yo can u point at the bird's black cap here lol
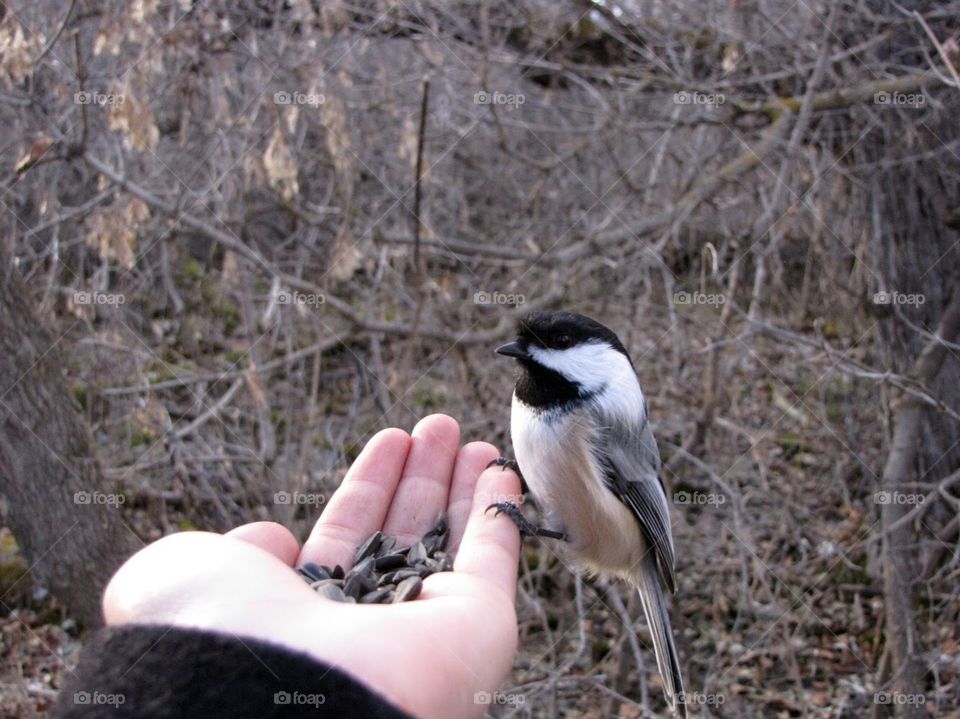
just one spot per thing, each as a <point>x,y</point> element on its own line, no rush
<point>560,330</point>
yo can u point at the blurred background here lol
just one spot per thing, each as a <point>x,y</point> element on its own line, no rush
<point>238,238</point>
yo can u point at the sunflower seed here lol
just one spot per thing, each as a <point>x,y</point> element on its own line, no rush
<point>439,565</point>
<point>356,585</point>
<point>434,542</point>
<point>390,561</point>
<point>313,572</point>
<point>408,589</point>
<point>377,596</point>
<point>385,546</point>
<point>364,568</point>
<point>327,588</point>
<point>368,548</point>
<point>382,574</point>
<point>440,526</point>
<point>417,553</point>
<point>398,576</point>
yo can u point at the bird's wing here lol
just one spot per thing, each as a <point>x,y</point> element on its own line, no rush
<point>631,463</point>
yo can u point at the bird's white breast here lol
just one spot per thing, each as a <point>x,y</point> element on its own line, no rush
<point>553,450</point>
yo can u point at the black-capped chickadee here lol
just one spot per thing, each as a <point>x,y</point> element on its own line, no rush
<point>585,450</point>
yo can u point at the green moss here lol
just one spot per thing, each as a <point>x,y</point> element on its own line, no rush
<point>143,437</point>
<point>13,567</point>
<point>229,313</point>
<point>429,399</point>
<point>600,649</point>
<point>80,394</point>
<point>792,445</point>
<point>193,269</point>
<point>278,419</point>
<point>351,451</point>
<point>533,558</point>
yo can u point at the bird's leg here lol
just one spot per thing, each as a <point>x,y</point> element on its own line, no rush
<point>513,511</point>
<point>523,524</point>
<point>505,463</point>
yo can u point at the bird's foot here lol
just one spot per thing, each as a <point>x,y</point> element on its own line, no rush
<point>523,524</point>
<point>505,463</point>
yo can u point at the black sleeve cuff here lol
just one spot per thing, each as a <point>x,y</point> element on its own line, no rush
<point>163,672</point>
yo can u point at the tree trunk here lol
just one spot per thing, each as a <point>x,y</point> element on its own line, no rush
<point>900,560</point>
<point>912,250</point>
<point>62,514</point>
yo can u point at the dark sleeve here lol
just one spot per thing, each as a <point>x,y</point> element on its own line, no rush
<point>163,672</point>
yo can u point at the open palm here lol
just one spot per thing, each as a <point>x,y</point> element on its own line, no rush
<point>431,656</point>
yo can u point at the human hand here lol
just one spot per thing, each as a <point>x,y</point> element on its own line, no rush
<point>430,656</point>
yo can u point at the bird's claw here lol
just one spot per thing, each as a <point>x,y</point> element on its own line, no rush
<point>523,524</point>
<point>505,463</point>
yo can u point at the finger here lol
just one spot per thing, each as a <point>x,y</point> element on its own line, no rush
<point>471,461</point>
<point>359,506</point>
<point>270,536</point>
<point>491,545</point>
<point>426,479</point>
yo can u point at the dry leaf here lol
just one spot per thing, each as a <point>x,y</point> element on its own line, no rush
<point>108,41</point>
<point>338,135</point>
<point>114,231</point>
<point>136,122</point>
<point>152,415</point>
<point>281,166</point>
<point>136,212</point>
<point>17,51</point>
<point>409,138</point>
<point>37,150</point>
<point>345,260</point>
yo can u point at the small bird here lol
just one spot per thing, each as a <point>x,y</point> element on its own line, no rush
<point>587,455</point>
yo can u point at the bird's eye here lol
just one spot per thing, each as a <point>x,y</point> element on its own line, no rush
<point>561,341</point>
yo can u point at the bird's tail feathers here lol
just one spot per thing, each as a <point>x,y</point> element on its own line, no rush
<point>655,609</point>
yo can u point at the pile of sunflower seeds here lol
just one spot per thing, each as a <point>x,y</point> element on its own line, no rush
<point>382,574</point>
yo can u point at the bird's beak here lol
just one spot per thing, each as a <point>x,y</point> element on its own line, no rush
<point>513,349</point>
